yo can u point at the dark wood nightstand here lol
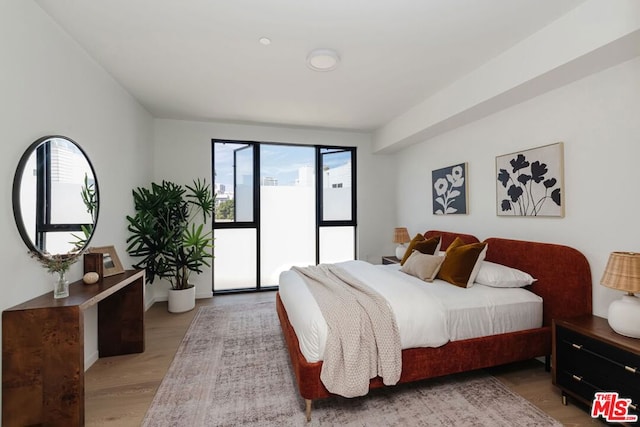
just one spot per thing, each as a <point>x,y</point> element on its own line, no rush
<point>390,259</point>
<point>588,356</point>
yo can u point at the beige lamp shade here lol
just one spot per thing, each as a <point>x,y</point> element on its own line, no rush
<point>401,235</point>
<point>622,272</point>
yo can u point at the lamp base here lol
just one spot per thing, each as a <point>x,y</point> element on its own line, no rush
<point>624,316</point>
<point>400,250</point>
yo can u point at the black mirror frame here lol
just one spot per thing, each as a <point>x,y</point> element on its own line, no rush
<point>17,183</point>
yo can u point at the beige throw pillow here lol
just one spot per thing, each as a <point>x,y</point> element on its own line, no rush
<point>423,266</point>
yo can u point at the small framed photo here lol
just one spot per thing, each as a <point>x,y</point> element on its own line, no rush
<point>110,262</point>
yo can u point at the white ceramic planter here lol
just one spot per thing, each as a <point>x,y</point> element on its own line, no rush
<point>182,300</point>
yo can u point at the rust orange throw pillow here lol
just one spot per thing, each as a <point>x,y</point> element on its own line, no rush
<point>429,246</point>
<point>422,245</point>
<point>460,262</point>
<point>419,237</point>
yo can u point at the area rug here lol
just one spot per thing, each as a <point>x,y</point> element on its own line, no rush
<point>232,369</point>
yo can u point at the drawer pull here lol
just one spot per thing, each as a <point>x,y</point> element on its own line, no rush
<point>577,378</point>
<point>630,369</point>
<point>578,346</point>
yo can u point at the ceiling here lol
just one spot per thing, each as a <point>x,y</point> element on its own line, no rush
<point>202,60</point>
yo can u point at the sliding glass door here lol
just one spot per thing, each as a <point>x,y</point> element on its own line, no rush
<point>287,209</point>
<point>275,210</point>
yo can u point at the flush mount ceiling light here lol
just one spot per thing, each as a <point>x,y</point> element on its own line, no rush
<point>323,60</point>
<point>265,41</point>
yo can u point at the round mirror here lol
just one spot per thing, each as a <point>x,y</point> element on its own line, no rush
<point>55,196</point>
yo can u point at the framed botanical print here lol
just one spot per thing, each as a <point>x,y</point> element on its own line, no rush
<point>449,190</point>
<point>530,182</point>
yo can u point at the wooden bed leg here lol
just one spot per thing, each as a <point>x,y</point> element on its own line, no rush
<point>307,410</point>
<point>547,363</point>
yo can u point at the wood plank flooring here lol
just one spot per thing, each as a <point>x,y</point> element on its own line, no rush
<point>118,390</point>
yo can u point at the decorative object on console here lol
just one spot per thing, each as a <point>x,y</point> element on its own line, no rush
<point>401,236</point>
<point>623,273</point>
<point>90,278</point>
<point>110,262</point>
<point>93,263</point>
<point>530,182</point>
<point>58,264</point>
<point>449,190</point>
<point>164,233</point>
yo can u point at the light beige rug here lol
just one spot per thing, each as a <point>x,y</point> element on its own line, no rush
<point>232,369</point>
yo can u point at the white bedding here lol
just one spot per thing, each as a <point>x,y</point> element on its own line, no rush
<point>427,314</point>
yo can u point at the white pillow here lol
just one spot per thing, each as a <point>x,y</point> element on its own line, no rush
<point>501,276</point>
<point>422,266</point>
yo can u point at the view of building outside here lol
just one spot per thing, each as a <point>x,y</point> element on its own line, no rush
<point>287,212</point>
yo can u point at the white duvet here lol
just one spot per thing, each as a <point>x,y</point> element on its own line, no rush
<point>427,314</point>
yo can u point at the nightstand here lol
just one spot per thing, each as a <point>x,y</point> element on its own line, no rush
<point>390,259</point>
<point>588,356</point>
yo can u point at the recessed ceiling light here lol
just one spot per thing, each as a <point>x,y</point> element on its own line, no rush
<point>265,41</point>
<point>323,60</point>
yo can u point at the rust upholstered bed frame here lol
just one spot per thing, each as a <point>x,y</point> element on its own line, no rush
<point>564,283</point>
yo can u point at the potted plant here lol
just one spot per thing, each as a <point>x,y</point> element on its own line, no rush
<point>168,233</point>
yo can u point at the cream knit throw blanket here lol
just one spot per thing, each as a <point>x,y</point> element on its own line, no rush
<point>362,339</point>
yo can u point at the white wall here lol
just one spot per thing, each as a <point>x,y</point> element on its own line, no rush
<point>183,152</point>
<point>597,118</point>
<point>49,85</point>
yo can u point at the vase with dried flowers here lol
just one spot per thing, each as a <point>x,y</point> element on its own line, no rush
<point>57,264</point>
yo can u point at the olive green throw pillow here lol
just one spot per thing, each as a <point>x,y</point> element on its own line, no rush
<point>461,260</point>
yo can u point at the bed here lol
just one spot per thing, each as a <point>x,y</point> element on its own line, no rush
<point>563,282</point>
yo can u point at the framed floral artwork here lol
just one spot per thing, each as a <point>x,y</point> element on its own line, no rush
<point>449,190</point>
<point>530,182</point>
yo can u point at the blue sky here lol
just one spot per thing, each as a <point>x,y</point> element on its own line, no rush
<point>277,161</point>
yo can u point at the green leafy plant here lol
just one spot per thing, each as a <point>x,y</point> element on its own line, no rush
<point>166,231</point>
<point>89,196</point>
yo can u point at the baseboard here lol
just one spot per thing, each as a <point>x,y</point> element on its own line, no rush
<point>90,360</point>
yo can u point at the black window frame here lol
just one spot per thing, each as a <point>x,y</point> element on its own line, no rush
<point>256,224</point>
<point>43,223</point>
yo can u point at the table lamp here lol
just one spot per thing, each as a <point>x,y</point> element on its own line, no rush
<point>401,236</point>
<point>623,273</point>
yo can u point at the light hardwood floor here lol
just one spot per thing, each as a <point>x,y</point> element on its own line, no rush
<point>118,390</point>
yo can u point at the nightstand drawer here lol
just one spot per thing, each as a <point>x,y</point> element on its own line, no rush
<point>588,358</point>
<point>599,366</point>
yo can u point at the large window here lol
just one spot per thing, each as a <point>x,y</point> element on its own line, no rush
<point>280,205</point>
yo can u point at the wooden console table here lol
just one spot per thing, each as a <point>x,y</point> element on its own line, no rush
<point>43,347</point>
